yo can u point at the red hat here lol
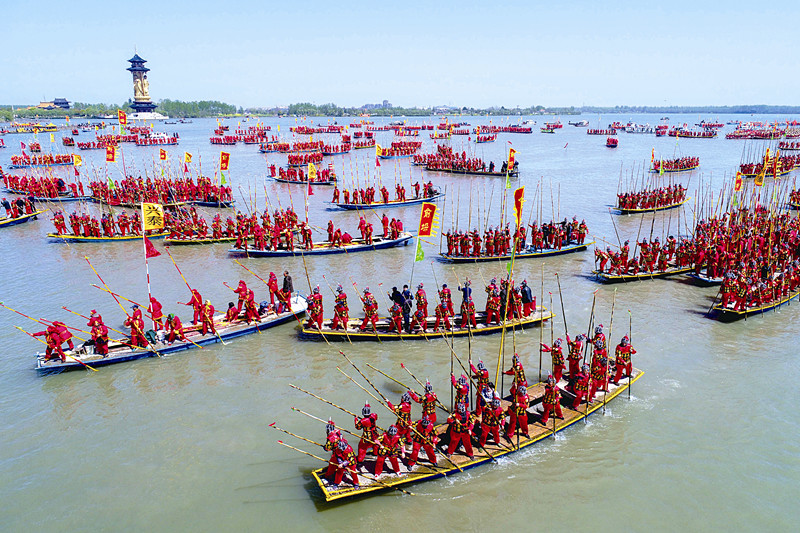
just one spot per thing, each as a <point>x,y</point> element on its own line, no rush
<point>94,312</point>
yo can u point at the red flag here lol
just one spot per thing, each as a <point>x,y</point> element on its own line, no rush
<point>111,154</point>
<point>185,168</point>
<point>224,160</point>
<point>310,191</point>
<point>22,146</point>
<point>150,250</point>
<point>377,161</point>
<point>76,171</point>
<point>122,117</point>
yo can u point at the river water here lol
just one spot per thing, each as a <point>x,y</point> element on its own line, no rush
<point>707,442</point>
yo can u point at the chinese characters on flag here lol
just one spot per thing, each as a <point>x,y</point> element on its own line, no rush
<point>152,216</point>
<point>111,154</point>
<point>122,117</point>
<point>224,160</point>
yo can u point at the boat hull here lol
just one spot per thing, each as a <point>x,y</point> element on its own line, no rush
<point>325,249</point>
<point>55,366</point>
<point>528,253</point>
<point>728,314</point>
<point>605,277</point>
<point>650,209</point>
<point>8,222</point>
<point>55,237</point>
<point>381,205</point>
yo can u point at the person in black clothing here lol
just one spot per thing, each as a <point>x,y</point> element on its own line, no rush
<point>408,302</point>
<point>288,287</point>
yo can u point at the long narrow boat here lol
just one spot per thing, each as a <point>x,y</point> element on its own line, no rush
<point>69,237</point>
<point>729,314</point>
<point>382,332</point>
<point>607,277</point>
<point>527,253</point>
<point>675,170</point>
<point>513,173</point>
<point>226,204</point>
<point>196,240</point>
<point>324,248</point>
<point>120,353</point>
<point>391,203</point>
<point>6,222</point>
<point>425,471</point>
<point>305,181</point>
<point>703,280</point>
<point>60,198</point>
<point>630,211</point>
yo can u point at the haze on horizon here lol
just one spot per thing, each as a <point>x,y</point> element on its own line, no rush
<point>414,53</point>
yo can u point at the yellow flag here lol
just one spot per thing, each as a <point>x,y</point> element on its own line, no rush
<point>187,157</point>
<point>152,216</point>
<point>378,150</point>
<point>279,128</point>
<point>52,138</point>
<point>312,172</point>
<point>77,160</point>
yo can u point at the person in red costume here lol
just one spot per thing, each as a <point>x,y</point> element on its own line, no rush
<point>196,303</point>
<point>518,372</point>
<point>428,401</point>
<point>100,338</point>
<point>599,378</point>
<point>315,310</point>
<point>551,401</point>
<point>491,418</point>
<point>403,412</point>
<point>558,358</point>
<point>370,310</point>
<point>462,390</point>
<point>575,354</point>
<point>461,424</point>
<point>231,315</point>
<point>175,328</point>
<point>64,334</point>
<point>622,361</point>
<point>518,413</point>
<point>272,284</point>
<point>342,460</point>
<point>154,310</point>
<point>580,385</point>
<point>442,316</point>
<point>53,342</point>
<point>389,447</point>
<point>208,318</point>
<point>424,437</point>
<point>136,323</point>
<point>241,290</point>
<point>367,423</point>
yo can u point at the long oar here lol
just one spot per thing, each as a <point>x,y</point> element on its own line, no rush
<point>385,399</point>
<point>360,473</point>
<point>113,295</point>
<point>341,428</point>
<point>213,328</point>
<point>70,356</point>
<point>334,309</point>
<point>445,409</point>
<point>389,377</point>
<point>324,400</point>
<point>390,409</point>
<point>131,301</point>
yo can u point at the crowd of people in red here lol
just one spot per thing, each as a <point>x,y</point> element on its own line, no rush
<point>367,196</point>
<point>674,165</point>
<point>298,174</point>
<point>498,242</point>
<point>301,160</point>
<point>132,190</point>
<point>652,198</point>
<point>26,160</point>
<point>40,187</point>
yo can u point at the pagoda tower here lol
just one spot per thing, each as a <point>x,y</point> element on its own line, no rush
<point>141,87</point>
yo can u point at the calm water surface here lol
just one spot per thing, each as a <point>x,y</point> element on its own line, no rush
<point>708,441</point>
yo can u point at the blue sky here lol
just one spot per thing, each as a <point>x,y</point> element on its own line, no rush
<point>253,53</point>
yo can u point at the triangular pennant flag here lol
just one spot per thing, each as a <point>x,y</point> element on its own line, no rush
<point>150,250</point>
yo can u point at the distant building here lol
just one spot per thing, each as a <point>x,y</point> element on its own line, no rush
<point>384,105</point>
<point>57,103</point>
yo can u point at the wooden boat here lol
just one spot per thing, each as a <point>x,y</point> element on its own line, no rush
<point>546,129</point>
<point>324,248</point>
<point>673,170</point>
<point>702,280</point>
<point>608,277</point>
<point>527,253</point>
<point>66,197</point>
<point>728,314</point>
<point>120,353</point>
<point>227,204</point>
<point>6,222</point>
<point>69,164</point>
<point>305,181</point>
<point>195,240</point>
<point>382,332</point>
<point>513,173</point>
<point>69,237</point>
<point>391,203</point>
<point>651,209</point>
<point>424,471</point>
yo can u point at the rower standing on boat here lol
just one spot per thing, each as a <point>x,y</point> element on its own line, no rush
<point>528,299</point>
<point>136,323</point>
<point>196,303</point>
<point>99,334</point>
<point>285,294</point>
<point>491,418</point>
<point>557,354</point>
<point>599,380</point>
<point>518,413</point>
<point>53,342</point>
<point>389,446</point>
<point>518,372</point>
<point>272,284</point>
<point>462,390</point>
<point>575,354</point>
<point>343,459</point>
<point>403,412</point>
<point>340,310</point>
<point>428,401</point>
<point>622,359</point>
<point>424,437</point>
<point>461,424</point>
<point>580,385</point>
<point>422,300</point>
<point>447,298</point>
<point>551,401</point>
<point>315,310</point>
<point>241,290</point>
<point>367,423</point>
<point>370,310</point>
<point>208,319</point>
<point>154,310</point>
